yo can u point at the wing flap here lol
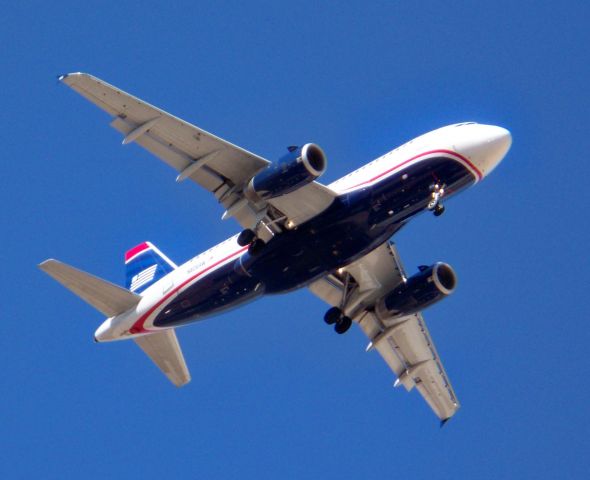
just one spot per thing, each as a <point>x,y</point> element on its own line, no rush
<point>410,342</point>
<point>164,350</point>
<point>164,141</point>
<point>173,140</point>
<point>372,327</point>
<point>305,202</point>
<point>439,396</point>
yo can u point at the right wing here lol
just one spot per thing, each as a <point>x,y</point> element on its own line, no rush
<point>164,350</point>
<point>409,351</point>
<point>213,163</point>
<point>404,343</point>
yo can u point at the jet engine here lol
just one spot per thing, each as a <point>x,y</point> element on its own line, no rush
<point>418,292</point>
<point>299,167</point>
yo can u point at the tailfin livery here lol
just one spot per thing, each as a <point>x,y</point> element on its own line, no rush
<point>110,299</point>
<point>145,264</point>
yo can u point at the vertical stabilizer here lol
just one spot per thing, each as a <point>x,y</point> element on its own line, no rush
<point>145,264</point>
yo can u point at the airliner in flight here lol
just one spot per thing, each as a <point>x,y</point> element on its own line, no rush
<point>334,240</point>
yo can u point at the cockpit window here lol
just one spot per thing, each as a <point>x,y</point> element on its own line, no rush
<point>464,123</point>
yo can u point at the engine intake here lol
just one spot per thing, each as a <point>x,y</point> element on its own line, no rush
<point>418,292</point>
<point>299,167</point>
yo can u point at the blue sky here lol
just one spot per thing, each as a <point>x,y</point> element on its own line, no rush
<point>275,393</point>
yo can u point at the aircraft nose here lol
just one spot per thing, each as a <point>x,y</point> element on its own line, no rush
<point>499,142</point>
<point>486,147</point>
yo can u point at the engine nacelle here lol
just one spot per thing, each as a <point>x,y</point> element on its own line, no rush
<point>418,292</point>
<point>296,169</point>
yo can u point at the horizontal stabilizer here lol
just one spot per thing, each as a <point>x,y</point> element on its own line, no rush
<point>106,297</point>
<point>164,350</point>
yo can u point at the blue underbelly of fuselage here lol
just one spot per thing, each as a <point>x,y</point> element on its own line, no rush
<point>356,223</point>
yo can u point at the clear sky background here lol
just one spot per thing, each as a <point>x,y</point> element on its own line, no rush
<point>275,393</point>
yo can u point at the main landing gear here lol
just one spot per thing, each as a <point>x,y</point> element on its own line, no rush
<point>248,237</point>
<point>336,317</point>
<point>435,205</point>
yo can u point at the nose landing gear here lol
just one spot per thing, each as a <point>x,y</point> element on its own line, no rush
<point>435,205</point>
<point>439,209</point>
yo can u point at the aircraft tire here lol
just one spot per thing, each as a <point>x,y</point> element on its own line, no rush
<point>343,325</point>
<point>256,247</point>
<point>246,237</point>
<point>332,315</point>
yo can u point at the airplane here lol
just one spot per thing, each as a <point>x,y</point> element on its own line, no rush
<point>334,239</point>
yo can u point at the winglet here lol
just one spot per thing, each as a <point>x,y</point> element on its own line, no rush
<point>64,76</point>
<point>70,78</point>
<point>444,421</point>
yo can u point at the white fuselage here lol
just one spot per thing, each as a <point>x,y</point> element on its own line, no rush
<point>479,148</point>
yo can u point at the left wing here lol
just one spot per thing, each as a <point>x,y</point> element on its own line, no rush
<point>213,163</point>
<point>405,344</point>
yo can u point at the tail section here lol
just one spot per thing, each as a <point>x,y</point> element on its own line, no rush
<point>106,297</point>
<point>164,350</point>
<point>145,264</point>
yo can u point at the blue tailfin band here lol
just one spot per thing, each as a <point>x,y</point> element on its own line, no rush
<point>145,265</point>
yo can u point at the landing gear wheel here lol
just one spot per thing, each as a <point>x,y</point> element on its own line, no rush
<point>343,325</point>
<point>435,205</point>
<point>439,209</point>
<point>246,237</point>
<point>332,316</point>
<point>256,247</point>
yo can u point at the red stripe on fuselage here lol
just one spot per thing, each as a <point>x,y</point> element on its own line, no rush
<point>136,251</point>
<point>431,152</point>
<point>138,325</point>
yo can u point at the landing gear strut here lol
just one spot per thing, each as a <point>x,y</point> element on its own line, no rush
<point>336,317</point>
